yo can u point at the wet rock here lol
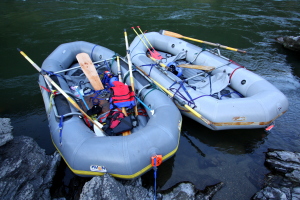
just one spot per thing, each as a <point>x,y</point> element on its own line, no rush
<point>107,187</point>
<point>187,190</point>
<point>290,42</point>
<point>5,131</point>
<point>284,180</point>
<point>26,172</point>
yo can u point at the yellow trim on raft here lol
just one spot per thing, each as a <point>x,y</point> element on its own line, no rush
<point>90,173</point>
<point>239,123</point>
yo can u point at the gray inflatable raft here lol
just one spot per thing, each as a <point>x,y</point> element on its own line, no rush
<point>228,97</point>
<point>85,153</point>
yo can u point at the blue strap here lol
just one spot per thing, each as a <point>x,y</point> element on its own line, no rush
<point>96,99</point>
<point>155,173</point>
<point>209,76</point>
<point>51,73</point>
<point>181,85</point>
<point>92,52</point>
<point>151,65</point>
<point>60,126</point>
<point>107,66</point>
<point>185,90</point>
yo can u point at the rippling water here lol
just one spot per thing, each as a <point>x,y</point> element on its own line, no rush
<point>204,157</point>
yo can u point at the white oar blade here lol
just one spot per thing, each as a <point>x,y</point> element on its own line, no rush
<point>97,130</point>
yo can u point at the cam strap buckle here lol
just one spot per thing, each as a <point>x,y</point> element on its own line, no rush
<point>156,160</point>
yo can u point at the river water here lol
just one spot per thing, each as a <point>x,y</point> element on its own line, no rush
<point>204,157</point>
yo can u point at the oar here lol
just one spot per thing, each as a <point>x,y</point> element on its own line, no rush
<point>130,69</point>
<point>97,124</point>
<point>155,54</point>
<point>90,71</point>
<point>152,111</point>
<point>201,67</point>
<point>121,80</point>
<point>119,70</point>
<point>159,57</point>
<point>176,35</point>
<point>172,95</point>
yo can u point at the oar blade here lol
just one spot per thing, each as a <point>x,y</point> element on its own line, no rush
<point>97,129</point>
<point>201,67</point>
<point>171,34</point>
<point>155,54</point>
<point>89,70</point>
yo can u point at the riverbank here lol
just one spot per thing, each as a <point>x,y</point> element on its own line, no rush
<point>27,173</point>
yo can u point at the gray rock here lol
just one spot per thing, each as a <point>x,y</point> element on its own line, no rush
<point>26,171</point>
<point>102,187</point>
<point>290,42</point>
<point>284,180</point>
<point>107,187</point>
<point>5,131</point>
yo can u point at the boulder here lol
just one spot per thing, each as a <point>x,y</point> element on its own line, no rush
<point>5,131</point>
<point>26,172</point>
<point>107,187</point>
<point>290,42</point>
<point>284,180</point>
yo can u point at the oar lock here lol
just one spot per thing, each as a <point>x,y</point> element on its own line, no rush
<point>174,69</point>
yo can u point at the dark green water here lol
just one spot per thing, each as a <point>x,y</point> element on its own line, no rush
<point>204,157</point>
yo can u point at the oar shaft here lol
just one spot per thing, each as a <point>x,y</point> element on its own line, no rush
<point>176,35</point>
<point>119,70</point>
<point>130,68</point>
<point>58,88</point>
<point>214,44</point>
<point>145,37</point>
<point>157,62</point>
<point>185,105</point>
<point>140,38</point>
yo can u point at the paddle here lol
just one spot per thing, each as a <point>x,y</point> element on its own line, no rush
<point>176,35</point>
<point>89,70</point>
<point>154,53</point>
<point>201,67</point>
<point>98,129</point>
<point>157,55</point>
<point>121,80</point>
<point>130,69</point>
<point>119,70</point>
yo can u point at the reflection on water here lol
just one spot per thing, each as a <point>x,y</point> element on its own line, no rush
<point>204,157</point>
<point>228,141</point>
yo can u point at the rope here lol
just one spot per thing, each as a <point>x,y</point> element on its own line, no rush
<point>234,71</point>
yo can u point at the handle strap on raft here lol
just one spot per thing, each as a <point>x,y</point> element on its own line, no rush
<point>155,162</point>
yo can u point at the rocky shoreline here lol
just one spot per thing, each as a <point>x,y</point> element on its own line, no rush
<point>290,42</point>
<point>26,172</point>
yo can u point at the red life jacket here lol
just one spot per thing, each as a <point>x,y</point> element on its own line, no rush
<point>122,95</point>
